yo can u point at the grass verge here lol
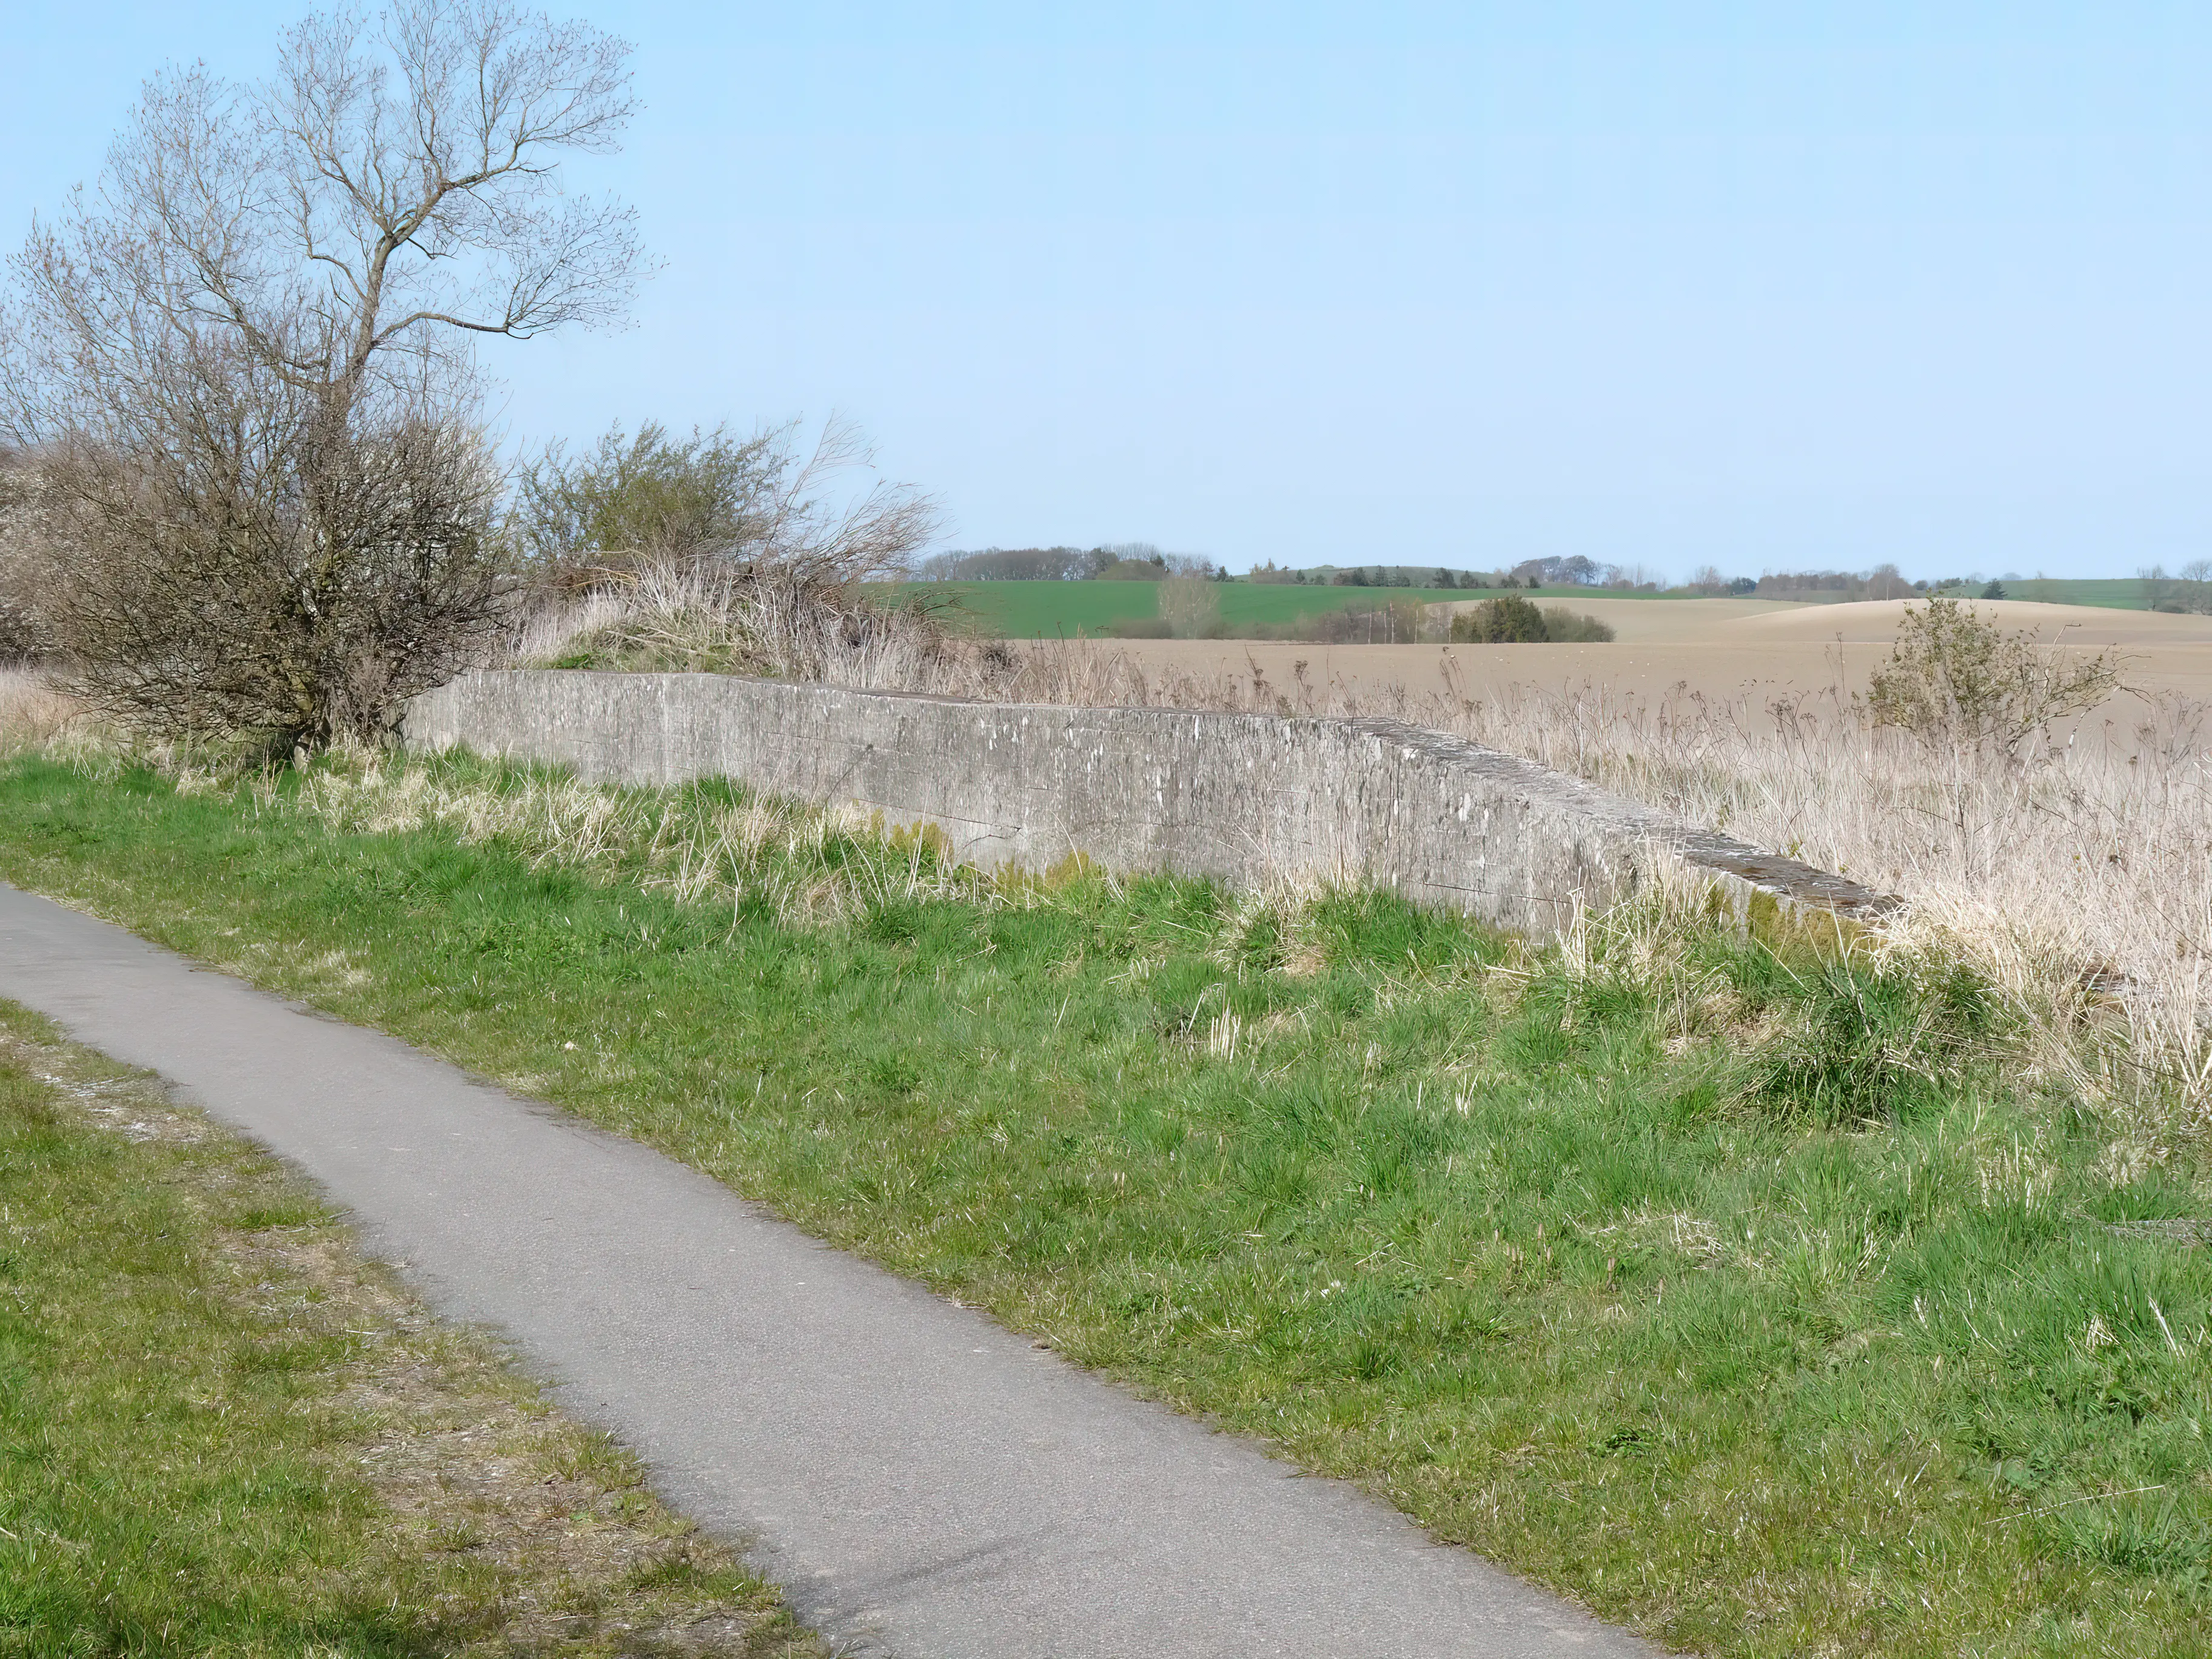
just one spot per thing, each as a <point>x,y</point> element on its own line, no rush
<point>1762,1304</point>
<point>222,1432</point>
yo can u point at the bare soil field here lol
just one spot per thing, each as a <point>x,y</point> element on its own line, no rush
<point>1721,648</point>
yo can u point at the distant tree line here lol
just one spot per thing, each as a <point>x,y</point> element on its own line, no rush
<point>1143,562</point>
<point>1882,582</point>
<point>1575,571</point>
<point>2188,591</point>
<point>1115,561</point>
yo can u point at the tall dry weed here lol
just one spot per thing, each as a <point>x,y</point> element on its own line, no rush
<point>33,712</point>
<point>704,618</point>
<point>701,844</point>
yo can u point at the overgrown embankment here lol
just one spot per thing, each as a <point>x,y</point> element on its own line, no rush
<point>1775,1306</point>
<point>2043,822</point>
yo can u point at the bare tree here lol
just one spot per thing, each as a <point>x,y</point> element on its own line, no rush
<point>24,636</point>
<point>1884,581</point>
<point>245,362</point>
<point>1191,607</point>
<point>2190,591</point>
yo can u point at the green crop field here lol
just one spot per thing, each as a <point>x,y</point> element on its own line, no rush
<point>2111,593</point>
<point>1044,611</point>
<point>1050,610</point>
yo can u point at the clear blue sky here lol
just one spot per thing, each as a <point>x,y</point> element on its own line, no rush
<point>1767,285</point>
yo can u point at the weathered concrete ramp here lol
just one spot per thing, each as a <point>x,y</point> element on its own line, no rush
<point>922,1482</point>
<point>1244,798</point>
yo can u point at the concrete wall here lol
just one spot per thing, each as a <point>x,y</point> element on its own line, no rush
<point>1244,798</point>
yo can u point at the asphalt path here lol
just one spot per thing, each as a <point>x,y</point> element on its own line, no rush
<point>922,1482</point>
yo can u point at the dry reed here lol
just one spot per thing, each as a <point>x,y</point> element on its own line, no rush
<point>712,619</point>
<point>33,713</point>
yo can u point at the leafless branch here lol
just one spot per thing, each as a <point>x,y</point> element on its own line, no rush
<point>242,365</point>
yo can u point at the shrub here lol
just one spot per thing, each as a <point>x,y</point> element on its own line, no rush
<point>1565,627</point>
<point>1510,619</point>
<point>718,555</point>
<point>24,634</point>
<point>272,578</point>
<point>712,618</point>
<point>23,639</point>
<point>765,508</point>
<point>1955,679</point>
<point>651,498</point>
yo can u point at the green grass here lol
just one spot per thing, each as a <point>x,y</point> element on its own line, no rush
<point>221,1434</point>
<point>1745,1299</point>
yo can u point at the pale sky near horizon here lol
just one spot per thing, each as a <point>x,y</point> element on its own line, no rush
<point>1765,286</point>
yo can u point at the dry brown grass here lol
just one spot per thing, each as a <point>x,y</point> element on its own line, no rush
<point>2077,878</point>
<point>808,866</point>
<point>667,619</point>
<point>33,712</point>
